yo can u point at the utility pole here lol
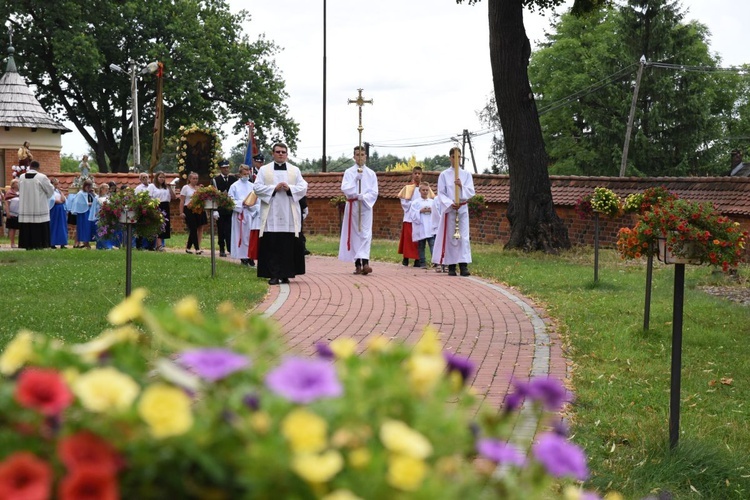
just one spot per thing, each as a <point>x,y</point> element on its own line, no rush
<point>631,117</point>
<point>467,139</point>
<point>323,164</point>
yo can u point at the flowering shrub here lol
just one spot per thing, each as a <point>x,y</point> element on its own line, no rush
<point>175,403</point>
<point>605,201</point>
<point>149,219</point>
<point>476,205</point>
<point>632,203</point>
<point>583,207</point>
<point>655,196</point>
<point>692,230</point>
<point>182,148</point>
<point>198,201</point>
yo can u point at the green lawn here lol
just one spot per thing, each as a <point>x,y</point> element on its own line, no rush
<point>620,373</point>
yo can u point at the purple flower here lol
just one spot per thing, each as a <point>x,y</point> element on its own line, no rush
<point>500,452</point>
<point>548,391</point>
<point>515,399</point>
<point>213,364</point>
<point>304,380</point>
<point>559,457</point>
<point>464,366</point>
<point>252,401</point>
<point>324,350</point>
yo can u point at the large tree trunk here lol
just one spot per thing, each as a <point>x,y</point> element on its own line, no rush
<point>534,225</point>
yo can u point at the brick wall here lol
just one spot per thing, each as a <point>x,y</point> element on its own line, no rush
<point>49,160</point>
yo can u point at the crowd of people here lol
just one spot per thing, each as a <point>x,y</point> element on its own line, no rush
<point>266,224</point>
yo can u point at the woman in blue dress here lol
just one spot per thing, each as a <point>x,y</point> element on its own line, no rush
<point>58,218</point>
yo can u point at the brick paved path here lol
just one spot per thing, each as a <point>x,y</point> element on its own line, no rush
<point>496,327</point>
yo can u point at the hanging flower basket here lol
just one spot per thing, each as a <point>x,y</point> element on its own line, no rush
<point>127,216</point>
<point>678,252</point>
<point>127,207</point>
<point>210,198</point>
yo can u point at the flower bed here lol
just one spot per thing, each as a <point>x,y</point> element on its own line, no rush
<point>175,403</point>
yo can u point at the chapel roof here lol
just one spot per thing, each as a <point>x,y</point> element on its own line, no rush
<point>18,104</point>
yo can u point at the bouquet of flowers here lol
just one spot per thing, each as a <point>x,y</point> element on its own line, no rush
<point>175,403</point>
<point>149,220</point>
<point>605,201</point>
<point>18,170</point>
<point>198,201</point>
<point>692,230</point>
<point>476,205</point>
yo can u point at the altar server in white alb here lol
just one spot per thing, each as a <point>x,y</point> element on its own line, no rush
<point>455,187</point>
<point>422,227</point>
<point>242,216</point>
<point>360,186</point>
<point>280,186</point>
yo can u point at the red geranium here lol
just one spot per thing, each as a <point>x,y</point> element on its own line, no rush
<point>23,475</point>
<point>86,449</point>
<point>43,390</point>
<point>89,483</point>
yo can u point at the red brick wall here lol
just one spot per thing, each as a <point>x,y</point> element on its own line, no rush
<point>49,160</point>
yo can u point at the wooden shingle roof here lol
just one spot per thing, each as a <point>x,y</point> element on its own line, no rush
<point>18,105</point>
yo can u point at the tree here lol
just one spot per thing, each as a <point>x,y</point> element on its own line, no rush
<point>534,225</point>
<point>584,81</point>
<point>213,73</point>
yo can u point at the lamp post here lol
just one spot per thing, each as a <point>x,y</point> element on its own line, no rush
<point>133,72</point>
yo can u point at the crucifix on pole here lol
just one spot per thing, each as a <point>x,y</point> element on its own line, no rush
<point>360,102</point>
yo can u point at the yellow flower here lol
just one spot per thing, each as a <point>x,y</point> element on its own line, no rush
<point>359,458</point>
<point>341,495</point>
<point>305,431</point>
<point>429,343</point>
<point>188,309</point>
<point>166,410</point>
<point>260,422</point>
<point>424,372</point>
<point>406,473</point>
<point>343,347</point>
<point>378,344</point>
<point>17,353</point>
<point>399,438</point>
<point>129,309</point>
<point>91,350</point>
<point>318,468</point>
<point>104,390</point>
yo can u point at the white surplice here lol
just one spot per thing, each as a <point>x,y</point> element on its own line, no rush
<point>449,250</point>
<point>242,218</point>
<point>421,222</point>
<point>280,212</point>
<point>356,239</point>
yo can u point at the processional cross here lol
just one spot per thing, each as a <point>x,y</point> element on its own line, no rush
<point>360,102</point>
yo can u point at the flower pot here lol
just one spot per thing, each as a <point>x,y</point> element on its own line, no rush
<point>687,250</point>
<point>210,205</point>
<point>127,217</point>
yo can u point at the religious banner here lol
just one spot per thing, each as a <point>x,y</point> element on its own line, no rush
<point>199,151</point>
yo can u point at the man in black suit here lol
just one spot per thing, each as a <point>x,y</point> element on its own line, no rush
<point>224,223</point>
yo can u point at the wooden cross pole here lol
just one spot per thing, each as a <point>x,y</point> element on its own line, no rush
<point>360,102</point>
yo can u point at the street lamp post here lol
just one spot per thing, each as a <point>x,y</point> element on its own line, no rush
<point>150,68</point>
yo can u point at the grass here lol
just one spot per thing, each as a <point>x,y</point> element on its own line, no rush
<point>620,373</point>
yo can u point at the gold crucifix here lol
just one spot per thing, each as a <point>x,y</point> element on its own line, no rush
<point>360,102</point>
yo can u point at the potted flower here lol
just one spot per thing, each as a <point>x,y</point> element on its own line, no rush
<point>210,198</point>
<point>338,202</point>
<point>162,406</point>
<point>476,205</point>
<point>605,201</point>
<point>125,206</point>
<point>689,231</point>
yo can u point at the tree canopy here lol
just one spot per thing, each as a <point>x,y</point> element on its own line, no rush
<point>584,75</point>
<point>214,74</point>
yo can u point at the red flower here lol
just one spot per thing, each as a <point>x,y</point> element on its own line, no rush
<point>89,483</point>
<point>86,449</point>
<point>43,390</point>
<point>24,476</point>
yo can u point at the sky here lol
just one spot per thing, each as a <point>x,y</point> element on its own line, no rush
<point>424,63</point>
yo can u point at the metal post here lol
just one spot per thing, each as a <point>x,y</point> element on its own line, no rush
<point>674,391</point>
<point>136,138</point>
<point>213,246</point>
<point>324,159</point>
<point>649,279</point>
<point>128,257</point>
<point>596,247</point>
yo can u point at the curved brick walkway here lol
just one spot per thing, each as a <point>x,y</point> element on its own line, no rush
<point>497,328</point>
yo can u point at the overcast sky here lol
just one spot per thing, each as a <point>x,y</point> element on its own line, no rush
<point>425,64</point>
